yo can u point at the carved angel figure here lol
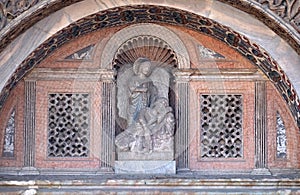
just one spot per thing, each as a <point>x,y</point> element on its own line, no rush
<point>142,100</point>
<point>142,91</point>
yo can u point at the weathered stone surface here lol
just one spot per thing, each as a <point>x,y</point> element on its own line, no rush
<point>169,155</point>
<point>143,102</point>
<point>152,185</point>
<point>145,167</point>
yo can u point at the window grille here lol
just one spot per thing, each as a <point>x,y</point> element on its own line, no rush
<point>221,126</point>
<point>68,125</point>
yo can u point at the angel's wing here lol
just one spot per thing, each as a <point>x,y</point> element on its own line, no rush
<point>123,76</point>
<point>161,79</point>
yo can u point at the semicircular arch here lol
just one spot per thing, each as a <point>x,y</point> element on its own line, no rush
<point>145,30</point>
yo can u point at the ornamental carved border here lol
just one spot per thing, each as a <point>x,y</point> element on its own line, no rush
<point>288,10</point>
<point>11,9</point>
<point>162,15</point>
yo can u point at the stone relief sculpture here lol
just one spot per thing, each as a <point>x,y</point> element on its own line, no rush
<point>289,10</point>
<point>82,54</point>
<point>10,9</point>
<point>142,100</point>
<point>142,91</point>
<point>9,137</point>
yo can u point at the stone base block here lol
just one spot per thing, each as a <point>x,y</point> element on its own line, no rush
<point>261,171</point>
<point>154,156</point>
<point>145,167</point>
<point>29,171</point>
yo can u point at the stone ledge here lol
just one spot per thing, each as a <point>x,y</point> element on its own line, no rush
<point>170,186</point>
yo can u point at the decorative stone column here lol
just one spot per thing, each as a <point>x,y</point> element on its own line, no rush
<point>108,122</point>
<point>182,116</point>
<point>29,129</point>
<point>260,129</point>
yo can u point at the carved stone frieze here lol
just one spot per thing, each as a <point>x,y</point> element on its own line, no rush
<point>289,10</point>
<point>10,9</point>
<point>286,9</point>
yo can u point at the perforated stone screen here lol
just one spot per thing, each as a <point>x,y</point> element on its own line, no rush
<point>68,127</point>
<point>221,126</point>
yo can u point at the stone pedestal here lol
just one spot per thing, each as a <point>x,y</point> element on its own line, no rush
<point>145,167</point>
<point>154,156</point>
<point>149,163</point>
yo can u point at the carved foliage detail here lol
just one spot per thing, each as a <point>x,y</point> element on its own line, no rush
<point>289,10</point>
<point>10,9</point>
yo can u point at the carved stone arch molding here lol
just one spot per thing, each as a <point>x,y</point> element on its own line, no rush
<point>281,16</point>
<point>158,33</point>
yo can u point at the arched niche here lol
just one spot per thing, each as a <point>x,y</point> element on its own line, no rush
<point>152,30</point>
<point>163,58</point>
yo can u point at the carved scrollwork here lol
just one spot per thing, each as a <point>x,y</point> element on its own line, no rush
<point>289,10</point>
<point>10,9</point>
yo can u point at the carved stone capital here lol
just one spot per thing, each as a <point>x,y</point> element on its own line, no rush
<point>108,75</point>
<point>183,75</point>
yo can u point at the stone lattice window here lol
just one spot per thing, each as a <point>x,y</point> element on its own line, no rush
<point>68,125</point>
<point>221,126</point>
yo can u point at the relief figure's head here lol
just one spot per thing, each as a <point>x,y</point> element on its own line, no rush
<point>142,67</point>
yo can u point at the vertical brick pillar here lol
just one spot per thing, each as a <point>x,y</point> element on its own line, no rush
<point>108,123</point>
<point>260,129</point>
<point>29,129</point>
<point>182,125</point>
